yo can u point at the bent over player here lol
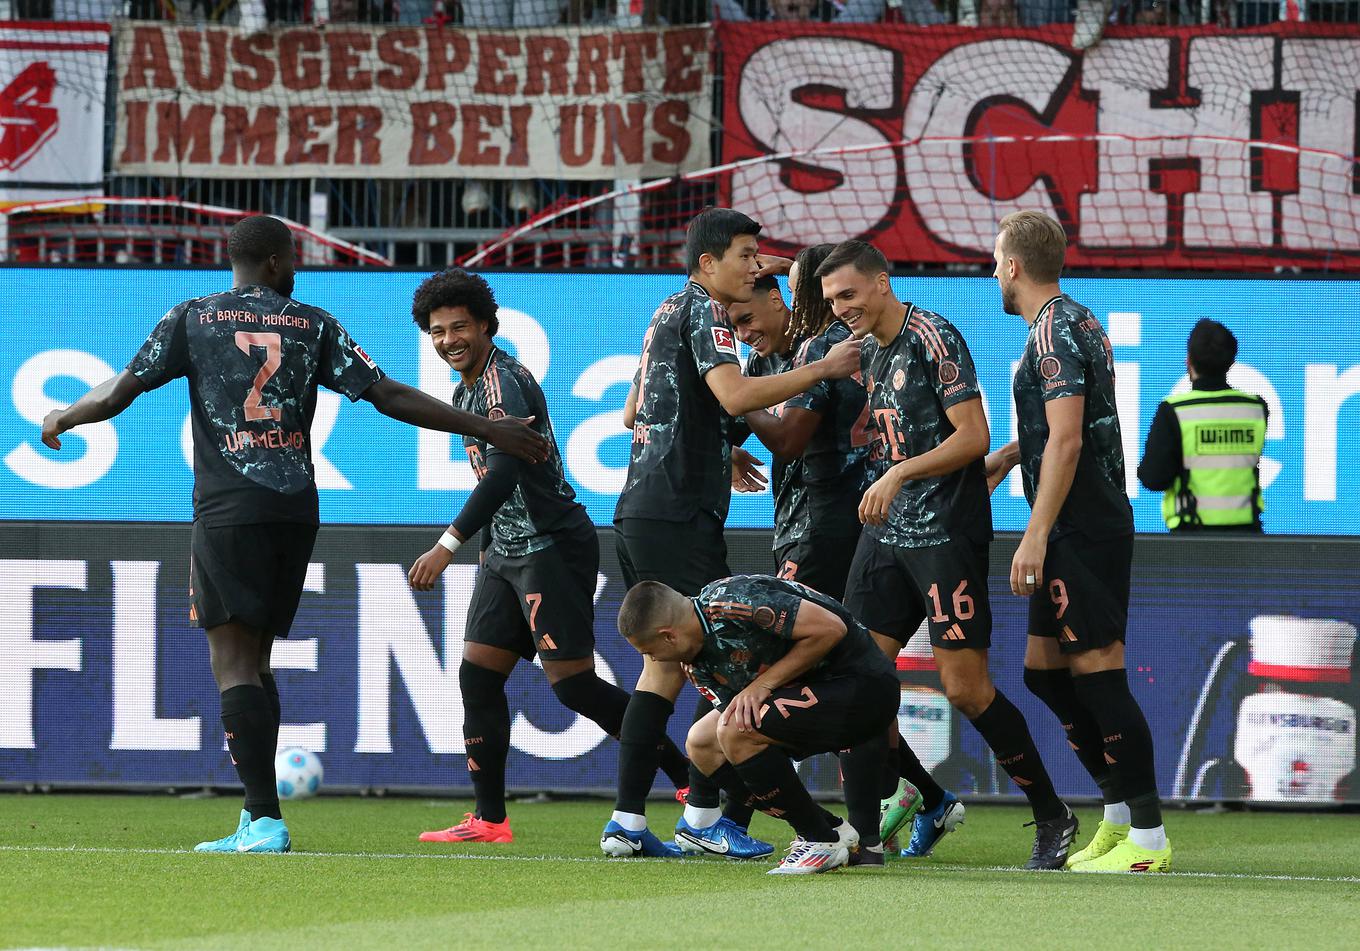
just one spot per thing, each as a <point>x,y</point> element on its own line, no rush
<point>536,589</point>
<point>254,358</point>
<point>789,673</point>
<point>669,519</point>
<point>928,523</point>
<point>1075,559</point>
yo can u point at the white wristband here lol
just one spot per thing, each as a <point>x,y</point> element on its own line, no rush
<point>450,541</point>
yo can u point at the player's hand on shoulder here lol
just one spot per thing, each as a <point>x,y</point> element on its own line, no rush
<point>841,361</point>
<point>878,498</point>
<point>52,429</point>
<point>744,710</point>
<point>746,474</point>
<point>428,567</point>
<point>772,264</point>
<point>514,435</point>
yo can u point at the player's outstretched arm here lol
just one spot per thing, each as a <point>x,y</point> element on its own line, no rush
<point>746,474</point>
<point>966,444</point>
<point>740,394</point>
<point>1000,463</point>
<point>786,435</point>
<point>105,401</point>
<point>815,632</point>
<point>493,489</point>
<point>772,264</point>
<point>410,405</point>
<point>1065,417</point>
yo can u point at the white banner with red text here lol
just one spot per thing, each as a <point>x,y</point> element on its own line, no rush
<point>1160,147</point>
<point>411,102</point>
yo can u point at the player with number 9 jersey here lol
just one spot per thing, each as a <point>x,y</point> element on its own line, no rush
<point>924,552</point>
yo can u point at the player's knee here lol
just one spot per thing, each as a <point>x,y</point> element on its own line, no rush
<point>582,692</point>
<point>663,678</point>
<point>736,745</point>
<point>480,685</point>
<point>1044,684</point>
<point>969,697</point>
<point>234,655</point>
<point>702,738</point>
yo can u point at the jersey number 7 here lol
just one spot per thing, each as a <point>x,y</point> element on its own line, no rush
<point>272,345</point>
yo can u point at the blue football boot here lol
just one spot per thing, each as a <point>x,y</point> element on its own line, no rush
<point>928,828</point>
<point>724,837</point>
<point>262,835</point>
<point>618,842</point>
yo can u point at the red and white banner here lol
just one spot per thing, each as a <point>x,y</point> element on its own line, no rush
<point>357,102</point>
<point>52,78</point>
<point>1172,148</point>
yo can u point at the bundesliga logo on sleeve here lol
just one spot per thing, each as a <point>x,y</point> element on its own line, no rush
<point>724,340</point>
<point>365,357</point>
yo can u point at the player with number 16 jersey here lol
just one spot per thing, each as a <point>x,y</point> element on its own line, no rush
<point>924,552</point>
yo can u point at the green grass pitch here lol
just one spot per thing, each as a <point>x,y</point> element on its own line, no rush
<point>84,871</point>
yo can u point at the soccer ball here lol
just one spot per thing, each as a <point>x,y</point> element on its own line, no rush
<point>299,773</point>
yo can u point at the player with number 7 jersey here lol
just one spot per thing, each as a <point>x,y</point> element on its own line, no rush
<point>254,358</point>
<point>535,592</point>
<point>924,552</point>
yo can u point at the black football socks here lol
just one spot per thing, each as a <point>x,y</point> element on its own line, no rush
<point>778,792</point>
<point>486,736</point>
<point>1059,694</point>
<point>1005,730</point>
<point>1127,742</point>
<point>251,729</point>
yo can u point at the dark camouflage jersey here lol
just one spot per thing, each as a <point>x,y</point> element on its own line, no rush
<point>543,502</point>
<point>911,382</point>
<point>681,458</point>
<point>254,359</point>
<point>792,517</point>
<point>748,625</point>
<point>1068,354</point>
<point>836,467</point>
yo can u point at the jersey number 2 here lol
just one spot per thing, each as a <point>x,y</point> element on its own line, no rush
<point>271,343</point>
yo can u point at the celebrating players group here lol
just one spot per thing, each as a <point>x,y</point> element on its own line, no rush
<point>882,477</point>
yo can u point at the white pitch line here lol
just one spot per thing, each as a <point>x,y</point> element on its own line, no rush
<point>445,856</point>
<point>1341,879</point>
<point>622,863</point>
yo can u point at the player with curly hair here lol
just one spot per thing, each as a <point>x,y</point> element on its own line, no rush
<point>536,590</point>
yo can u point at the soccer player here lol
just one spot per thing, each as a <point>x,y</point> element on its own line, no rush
<point>669,519</point>
<point>790,673</point>
<point>536,589</point>
<point>254,358</point>
<point>923,554</point>
<point>1076,555</point>
<point>820,438</point>
<point>762,323</point>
